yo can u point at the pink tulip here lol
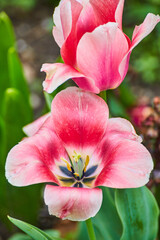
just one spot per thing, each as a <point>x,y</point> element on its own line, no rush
<point>76,150</point>
<point>33,128</point>
<point>142,115</point>
<point>93,46</point>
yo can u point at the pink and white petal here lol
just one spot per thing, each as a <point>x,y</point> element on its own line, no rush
<point>63,17</point>
<point>68,49</point>
<point>35,159</point>
<point>144,29</point>
<point>126,164</point>
<point>121,128</point>
<point>123,68</point>
<point>105,10</point>
<point>66,17</point>
<point>76,204</point>
<point>56,74</point>
<point>87,84</point>
<point>119,13</point>
<point>58,20</point>
<point>104,54</point>
<point>139,33</point>
<point>86,21</point>
<point>117,128</point>
<point>80,119</point>
<point>33,127</point>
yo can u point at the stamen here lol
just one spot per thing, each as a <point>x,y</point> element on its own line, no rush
<point>67,163</point>
<point>86,163</point>
<point>76,174</point>
<point>76,157</point>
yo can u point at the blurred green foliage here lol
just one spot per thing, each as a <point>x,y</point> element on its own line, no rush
<point>25,4</point>
<point>15,112</point>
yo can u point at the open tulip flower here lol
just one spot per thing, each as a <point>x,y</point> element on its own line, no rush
<point>76,149</point>
<point>93,46</point>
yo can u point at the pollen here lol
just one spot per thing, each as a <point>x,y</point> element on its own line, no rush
<point>86,163</point>
<point>76,174</point>
<point>67,163</point>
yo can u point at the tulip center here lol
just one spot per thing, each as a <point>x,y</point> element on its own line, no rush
<point>79,166</point>
<point>77,172</point>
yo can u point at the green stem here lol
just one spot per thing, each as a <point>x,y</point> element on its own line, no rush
<point>90,229</point>
<point>103,95</point>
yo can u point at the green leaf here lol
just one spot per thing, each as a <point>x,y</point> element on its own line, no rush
<point>82,232</point>
<point>2,142</point>
<point>48,98</point>
<point>32,231</point>
<point>117,109</point>
<point>7,41</point>
<point>3,189</point>
<point>3,208</point>
<point>107,222</point>
<point>52,233</point>
<point>59,59</point>
<point>22,236</point>
<point>157,196</point>
<point>126,96</point>
<point>17,79</point>
<point>139,213</point>
<point>15,116</point>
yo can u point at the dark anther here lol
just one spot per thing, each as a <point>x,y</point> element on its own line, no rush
<point>66,171</point>
<point>67,180</point>
<point>90,171</point>
<point>88,180</point>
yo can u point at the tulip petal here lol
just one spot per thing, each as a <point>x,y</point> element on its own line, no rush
<point>65,17</point>
<point>76,204</point>
<point>86,21</point>
<point>119,13</point>
<point>34,159</point>
<point>144,29</point>
<point>105,10</point>
<point>103,56</point>
<point>139,33</point>
<point>62,18</point>
<point>70,15</point>
<point>58,73</point>
<point>120,127</point>
<point>80,119</point>
<point>125,162</point>
<point>128,166</point>
<point>33,127</point>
